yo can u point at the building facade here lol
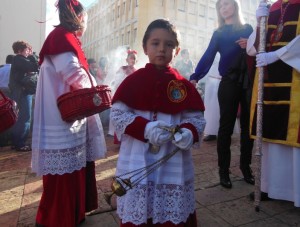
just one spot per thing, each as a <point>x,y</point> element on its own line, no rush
<point>20,20</point>
<point>122,23</point>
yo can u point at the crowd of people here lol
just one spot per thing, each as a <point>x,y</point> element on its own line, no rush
<point>163,121</point>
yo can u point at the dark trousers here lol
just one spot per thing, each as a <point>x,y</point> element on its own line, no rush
<point>21,130</point>
<point>230,95</point>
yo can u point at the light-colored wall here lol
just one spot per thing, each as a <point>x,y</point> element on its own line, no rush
<point>195,19</point>
<point>18,21</point>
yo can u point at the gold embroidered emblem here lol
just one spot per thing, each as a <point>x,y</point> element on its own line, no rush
<point>176,91</point>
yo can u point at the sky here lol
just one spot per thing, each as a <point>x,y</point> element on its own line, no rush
<point>52,14</point>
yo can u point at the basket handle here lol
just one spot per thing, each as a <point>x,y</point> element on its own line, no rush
<point>89,75</point>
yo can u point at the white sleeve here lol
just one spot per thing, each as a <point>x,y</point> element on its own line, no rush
<point>251,50</point>
<point>68,66</point>
<point>121,116</point>
<point>290,54</point>
<point>195,118</point>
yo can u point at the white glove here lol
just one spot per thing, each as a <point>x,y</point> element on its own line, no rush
<point>264,59</point>
<point>155,134</point>
<point>262,11</point>
<point>183,139</point>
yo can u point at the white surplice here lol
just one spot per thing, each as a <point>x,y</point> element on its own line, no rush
<point>59,147</point>
<point>167,194</point>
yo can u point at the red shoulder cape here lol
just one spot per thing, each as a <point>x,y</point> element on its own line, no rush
<point>165,91</point>
<point>61,40</point>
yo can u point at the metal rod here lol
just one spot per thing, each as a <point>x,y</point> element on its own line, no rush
<point>259,121</point>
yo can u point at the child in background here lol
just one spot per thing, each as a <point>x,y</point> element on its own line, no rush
<point>131,61</point>
<point>122,73</point>
<point>102,70</point>
<point>65,153</point>
<point>148,102</point>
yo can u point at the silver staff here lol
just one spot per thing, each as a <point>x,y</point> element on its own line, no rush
<point>259,121</point>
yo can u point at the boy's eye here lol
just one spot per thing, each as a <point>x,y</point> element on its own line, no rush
<point>171,45</point>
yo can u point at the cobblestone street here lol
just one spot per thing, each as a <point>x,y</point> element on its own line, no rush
<point>20,191</point>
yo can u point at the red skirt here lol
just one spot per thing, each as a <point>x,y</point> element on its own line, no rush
<point>67,197</point>
<point>190,222</point>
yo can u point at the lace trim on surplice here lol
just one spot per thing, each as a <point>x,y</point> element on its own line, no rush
<point>121,119</point>
<point>60,161</point>
<point>162,203</point>
<point>199,122</point>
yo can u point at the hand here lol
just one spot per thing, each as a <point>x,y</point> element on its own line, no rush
<point>262,11</point>
<point>183,139</point>
<point>155,134</point>
<point>242,42</point>
<point>264,59</point>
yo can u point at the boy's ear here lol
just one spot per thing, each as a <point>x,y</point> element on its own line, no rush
<point>177,51</point>
<point>145,50</point>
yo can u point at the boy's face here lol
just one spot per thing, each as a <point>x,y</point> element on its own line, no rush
<point>161,48</point>
<point>25,52</point>
<point>131,60</point>
<point>93,66</point>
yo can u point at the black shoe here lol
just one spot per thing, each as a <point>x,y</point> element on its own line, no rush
<point>248,177</point>
<point>263,196</point>
<point>224,179</point>
<point>210,138</point>
<point>24,148</point>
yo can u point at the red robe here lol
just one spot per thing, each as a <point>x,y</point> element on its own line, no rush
<point>166,91</point>
<point>156,90</point>
<point>66,197</point>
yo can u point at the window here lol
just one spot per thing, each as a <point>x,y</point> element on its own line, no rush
<point>201,41</point>
<point>193,7</point>
<point>134,34</point>
<point>123,8</point>
<point>202,10</point>
<point>181,5</point>
<point>128,37</point>
<point>212,13</point>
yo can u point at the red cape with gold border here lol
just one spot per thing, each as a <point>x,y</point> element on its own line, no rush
<point>156,90</point>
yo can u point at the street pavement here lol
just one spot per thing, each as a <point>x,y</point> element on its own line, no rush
<point>20,192</point>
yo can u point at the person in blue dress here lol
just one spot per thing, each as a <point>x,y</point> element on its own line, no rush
<point>230,40</point>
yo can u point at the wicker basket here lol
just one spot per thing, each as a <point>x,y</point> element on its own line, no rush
<point>8,112</point>
<point>81,103</point>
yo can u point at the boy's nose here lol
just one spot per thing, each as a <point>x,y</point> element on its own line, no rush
<point>161,47</point>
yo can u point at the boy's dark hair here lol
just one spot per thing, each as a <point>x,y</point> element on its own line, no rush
<point>9,59</point>
<point>164,24</point>
<point>69,10</point>
<point>91,61</point>
<point>20,46</point>
<point>103,62</point>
